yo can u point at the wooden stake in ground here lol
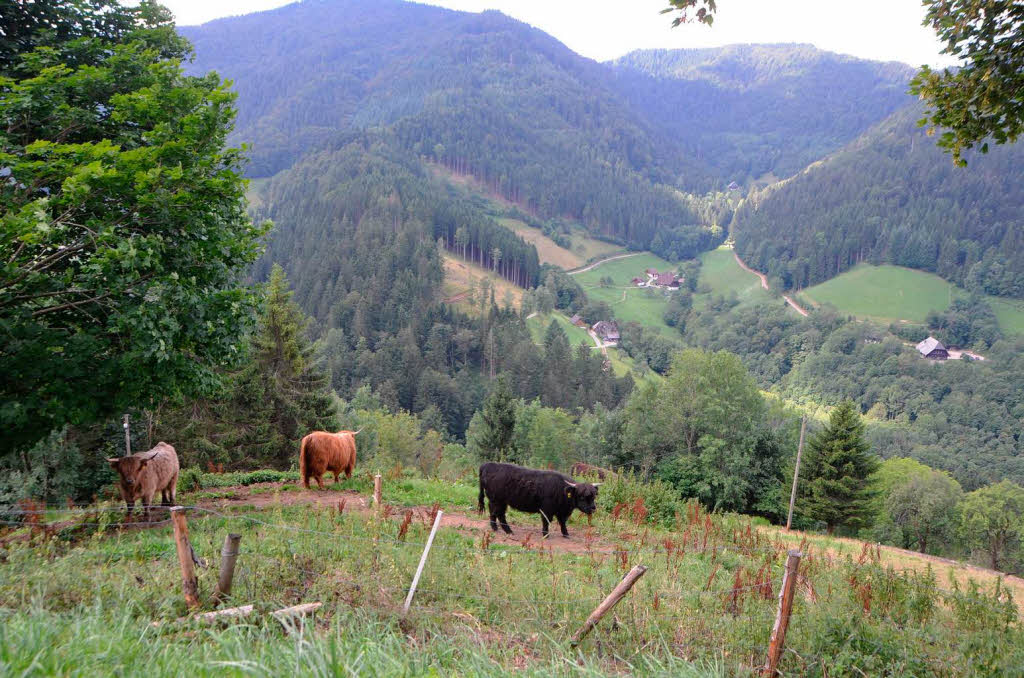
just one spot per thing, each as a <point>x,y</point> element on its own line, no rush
<point>228,556</point>
<point>127,438</point>
<point>376,490</point>
<point>796,471</point>
<point>423,561</point>
<point>782,616</point>
<point>608,603</point>
<point>188,576</point>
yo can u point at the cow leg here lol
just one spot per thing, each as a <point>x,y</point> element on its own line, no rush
<point>320,481</point>
<point>494,518</point>
<point>561,524</point>
<point>337,477</point>
<point>129,507</point>
<point>544,522</point>
<point>504,524</point>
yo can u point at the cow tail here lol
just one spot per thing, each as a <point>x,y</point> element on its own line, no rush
<point>480,499</point>
<point>302,462</point>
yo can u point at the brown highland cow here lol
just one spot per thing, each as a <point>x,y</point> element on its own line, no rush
<point>143,474</point>
<point>322,452</point>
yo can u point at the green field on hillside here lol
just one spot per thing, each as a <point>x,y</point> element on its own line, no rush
<point>1009,313</point>
<point>893,294</point>
<point>621,363</point>
<point>539,324</point>
<point>630,303</point>
<point>883,293</point>
<point>723,275</point>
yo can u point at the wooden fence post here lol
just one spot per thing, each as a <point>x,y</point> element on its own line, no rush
<point>608,603</point>
<point>796,471</point>
<point>423,561</point>
<point>376,490</point>
<point>782,616</point>
<point>188,575</point>
<point>228,556</point>
<point>127,438</point>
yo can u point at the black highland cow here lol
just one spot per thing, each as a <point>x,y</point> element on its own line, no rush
<point>552,494</point>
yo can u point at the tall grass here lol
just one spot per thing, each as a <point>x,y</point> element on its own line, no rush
<point>84,606</point>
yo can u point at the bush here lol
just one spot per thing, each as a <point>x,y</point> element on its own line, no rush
<point>659,499</point>
<point>190,480</point>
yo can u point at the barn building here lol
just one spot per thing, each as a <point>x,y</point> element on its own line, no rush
<point>608,330</point>
<point>933,349</point>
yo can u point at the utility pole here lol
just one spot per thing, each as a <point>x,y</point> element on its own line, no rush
<point>796,471</point>
<point>127,438</point>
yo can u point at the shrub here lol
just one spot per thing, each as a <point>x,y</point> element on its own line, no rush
<point>658,498</point>
<point>190,480</point>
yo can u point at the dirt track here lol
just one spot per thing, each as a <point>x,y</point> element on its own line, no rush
<point>764,284</point>
<point>582,538</point>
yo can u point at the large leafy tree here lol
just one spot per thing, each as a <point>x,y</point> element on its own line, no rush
<point>924,506</point>
<point>992,520</point>
<point>835,479</point>
<point>122,220</point>
<point>984,99</point>
<point>703,430</point>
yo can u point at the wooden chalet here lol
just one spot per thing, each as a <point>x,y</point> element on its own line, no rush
<point>667,280</point>
<point>577,320</point>
<point>608,330</point>
<point>933,349</point>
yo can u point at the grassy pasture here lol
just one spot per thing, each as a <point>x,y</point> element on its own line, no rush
<point>630,303</point>
<point>622,364</point>
<point>884,293</point>
<point>84,605</point>
<point>892,294</point>
<point>723,275</point>
<point>539,324</point>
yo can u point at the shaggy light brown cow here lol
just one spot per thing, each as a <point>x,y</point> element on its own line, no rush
<point>143,474</point>
<point>322,452</point>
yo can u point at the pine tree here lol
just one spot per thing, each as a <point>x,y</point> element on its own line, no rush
<point>284,392</point>
<point>490,432</point>
<point>835,487</point>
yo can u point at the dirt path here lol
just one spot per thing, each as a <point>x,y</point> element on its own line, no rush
<point>604,261</point>
<point>598,343</point>
<point>582,539</point>
<point>764,285</point>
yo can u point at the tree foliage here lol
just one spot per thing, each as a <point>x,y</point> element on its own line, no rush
<point>123,230</point>
<point>993,522</point>
<point>981,100</point>
<point>835,478</point>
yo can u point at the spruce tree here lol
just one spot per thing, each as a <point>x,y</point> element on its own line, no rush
<point>490,432</point>
<point>835,485</point>
<point>284,392</point>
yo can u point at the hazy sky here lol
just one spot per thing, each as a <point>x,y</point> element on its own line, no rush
<point>604,29</point>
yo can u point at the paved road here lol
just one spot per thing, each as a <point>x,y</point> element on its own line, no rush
<point>598,263</point>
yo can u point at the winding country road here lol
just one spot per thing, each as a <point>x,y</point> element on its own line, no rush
<point>764,284</point>
<point>603,261</point>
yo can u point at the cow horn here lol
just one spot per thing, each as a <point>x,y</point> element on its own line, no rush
<point>112,460</point>
<point>358,432</point>
<point>597,484</point>
<point>570,484</point>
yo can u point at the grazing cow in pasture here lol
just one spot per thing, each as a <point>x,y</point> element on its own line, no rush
<point>583,469</point>
<point>552,494</point>
<point>143,474</point>
<point>323,452</point>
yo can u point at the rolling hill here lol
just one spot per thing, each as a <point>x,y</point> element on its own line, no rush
<point>892,197</point>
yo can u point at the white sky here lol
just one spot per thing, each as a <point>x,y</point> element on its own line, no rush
<point>604,29</point>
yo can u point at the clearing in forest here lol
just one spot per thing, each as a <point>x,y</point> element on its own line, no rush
<point>462,285</point>
<point>641,305</point>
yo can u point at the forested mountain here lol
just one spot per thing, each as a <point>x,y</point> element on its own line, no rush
<point>893,197</point>
<point>481,93</point>
<point>750,110</point>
